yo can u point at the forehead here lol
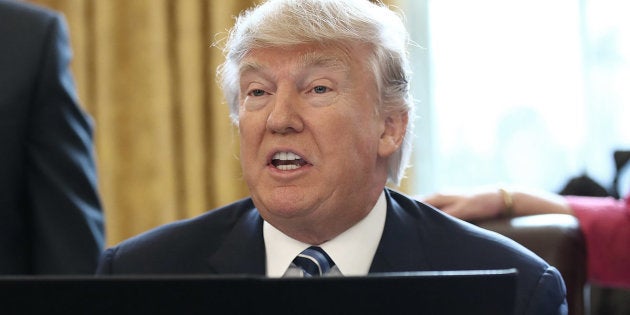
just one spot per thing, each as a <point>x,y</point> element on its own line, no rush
<point>298,58</point>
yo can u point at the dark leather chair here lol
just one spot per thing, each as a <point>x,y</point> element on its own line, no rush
<point>557,239</point>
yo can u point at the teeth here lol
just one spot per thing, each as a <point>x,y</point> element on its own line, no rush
<point>286,156</point>
<point>288,167</point>
<point>287,161</point>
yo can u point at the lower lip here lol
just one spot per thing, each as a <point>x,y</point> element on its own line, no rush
<point>278,171</point>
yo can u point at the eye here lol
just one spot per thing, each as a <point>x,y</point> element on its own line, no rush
<point>320,89</point>
<point>256,92</point>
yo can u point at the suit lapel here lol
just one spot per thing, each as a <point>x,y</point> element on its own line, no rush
<point>401,246</point>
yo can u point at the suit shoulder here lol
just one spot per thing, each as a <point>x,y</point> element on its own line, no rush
<point>179,247</point>
<point>441,229</point>
<point>26,13</point>
<point>213,222</point>
<point>447,243</point>
<point>30,32</point>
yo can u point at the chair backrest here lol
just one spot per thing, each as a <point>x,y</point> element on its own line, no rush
<point>558,240</point>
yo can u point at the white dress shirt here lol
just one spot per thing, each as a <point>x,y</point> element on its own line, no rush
<point>352,251</point>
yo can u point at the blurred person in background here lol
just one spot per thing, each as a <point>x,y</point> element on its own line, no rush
<point>51,220</point>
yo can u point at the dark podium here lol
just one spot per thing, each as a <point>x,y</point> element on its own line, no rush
<point>452,292</point>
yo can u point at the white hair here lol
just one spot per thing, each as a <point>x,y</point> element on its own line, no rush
<point>280,23</point>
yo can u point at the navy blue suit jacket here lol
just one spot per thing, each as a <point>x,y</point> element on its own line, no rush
<point>416,237</point>
<point>50,213</point>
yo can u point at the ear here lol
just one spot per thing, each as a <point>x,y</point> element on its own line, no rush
<point>393,133</point>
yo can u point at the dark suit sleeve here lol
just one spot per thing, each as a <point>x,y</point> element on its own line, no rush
<point>67,219</point>
<point>106,261</point>
<point>549,297</point>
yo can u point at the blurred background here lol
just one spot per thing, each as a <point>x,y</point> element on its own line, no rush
<point>527,93</point>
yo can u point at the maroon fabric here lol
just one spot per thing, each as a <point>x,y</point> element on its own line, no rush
<point>605,223</point>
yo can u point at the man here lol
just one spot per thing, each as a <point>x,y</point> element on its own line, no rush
<point>51,220</point>
<point>320,93</point>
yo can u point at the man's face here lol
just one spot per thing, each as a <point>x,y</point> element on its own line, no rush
<point>313,148</point>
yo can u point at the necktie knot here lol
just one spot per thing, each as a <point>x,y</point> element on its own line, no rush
<point>313,261</point>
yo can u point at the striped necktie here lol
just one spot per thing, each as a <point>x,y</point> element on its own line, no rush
<point>314,262</point>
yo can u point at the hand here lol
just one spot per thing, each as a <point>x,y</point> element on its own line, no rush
<point>473,207</point>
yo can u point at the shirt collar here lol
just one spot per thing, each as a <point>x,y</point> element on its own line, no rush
<point>352,251</point>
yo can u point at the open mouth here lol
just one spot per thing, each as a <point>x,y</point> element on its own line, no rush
<point>287,161</point>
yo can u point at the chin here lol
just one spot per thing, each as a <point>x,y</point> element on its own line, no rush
<point>284,208</point>
<point>284,202</point>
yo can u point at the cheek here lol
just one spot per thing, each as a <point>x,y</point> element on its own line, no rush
<point>251,128</point>
<point>353,138</point>
<point>251,123</point>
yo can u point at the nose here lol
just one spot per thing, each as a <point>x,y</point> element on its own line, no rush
<point>285,116</point>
